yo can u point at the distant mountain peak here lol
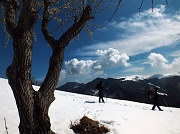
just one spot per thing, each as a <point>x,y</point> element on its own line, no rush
<point>132,78</point>
<point>159,76</point>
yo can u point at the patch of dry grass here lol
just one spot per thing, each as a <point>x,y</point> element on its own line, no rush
<point>88,126</point>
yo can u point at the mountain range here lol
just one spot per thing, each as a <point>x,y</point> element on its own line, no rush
<point>132,88</point>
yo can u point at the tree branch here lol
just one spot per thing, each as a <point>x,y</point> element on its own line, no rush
<point>76,27</point>
<point>28,9</point>
<point>49,38</point>
<point>10,14</point>
<point>55,63</point>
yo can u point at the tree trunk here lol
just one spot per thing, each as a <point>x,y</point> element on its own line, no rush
<point>32,106</point>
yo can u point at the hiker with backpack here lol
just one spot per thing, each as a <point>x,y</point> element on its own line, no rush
<point>155,95</point>
<point>99,87</point>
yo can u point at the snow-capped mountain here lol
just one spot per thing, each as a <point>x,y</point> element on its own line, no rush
<point>119,116</point>
<point>133,78</point>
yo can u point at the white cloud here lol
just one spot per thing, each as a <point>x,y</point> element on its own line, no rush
<point>106,58</point>
<point>76,66</point>
<point>175,53</point>
<point>158,61</point>
<point>97,67</point>
<point>143,33</point>
<point>99,72</point>
<point>134,69</point>
<point>112,57</point>
<point>175,65</point>
<point>62,74</point>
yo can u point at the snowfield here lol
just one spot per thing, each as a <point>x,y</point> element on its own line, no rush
<point>121,117</point>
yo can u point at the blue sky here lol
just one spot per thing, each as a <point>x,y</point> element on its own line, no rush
<point>130,44</point>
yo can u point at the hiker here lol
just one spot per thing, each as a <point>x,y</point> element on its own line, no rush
<point>154,95</point>
<point>99,87</point>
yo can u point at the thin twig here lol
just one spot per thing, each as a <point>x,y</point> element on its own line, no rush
<point>140,6</point>
<point>115,11</point>
<point>6,126</point>
<point>152,5</point>
<point>166,2</point>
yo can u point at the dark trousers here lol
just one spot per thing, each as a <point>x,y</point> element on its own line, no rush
<point>101,98</point>
<point>156,104</point>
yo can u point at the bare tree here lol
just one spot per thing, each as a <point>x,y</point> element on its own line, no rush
<point>20,16</point>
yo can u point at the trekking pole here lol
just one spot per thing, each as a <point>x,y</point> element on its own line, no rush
<point>106,95</point>
<point>106,99</point>
<point>167,105</point>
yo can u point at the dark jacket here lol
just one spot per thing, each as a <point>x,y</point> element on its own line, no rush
<point>100,88</point>
<point>156,95</point>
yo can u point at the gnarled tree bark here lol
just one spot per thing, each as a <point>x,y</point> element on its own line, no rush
<point>33,105</point>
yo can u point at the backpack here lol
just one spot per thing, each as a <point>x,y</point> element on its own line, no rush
<point>151,93</point>
<point>97,86</point>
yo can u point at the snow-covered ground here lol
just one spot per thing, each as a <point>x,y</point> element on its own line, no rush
<point>121,117</point>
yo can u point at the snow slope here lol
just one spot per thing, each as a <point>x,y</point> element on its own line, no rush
<point>121,117</point>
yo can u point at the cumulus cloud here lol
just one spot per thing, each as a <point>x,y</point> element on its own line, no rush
<point>106,58</point>
<point>112,57</point>
<point>158,61</point>
<point>175,65</point>
<point>76,66</point>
